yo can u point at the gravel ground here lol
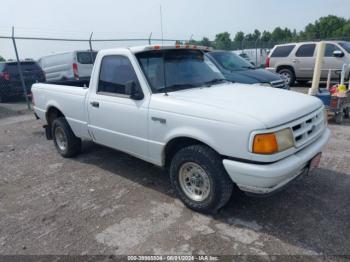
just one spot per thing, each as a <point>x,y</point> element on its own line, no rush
<point>106,202</point>
<point>13,107</point>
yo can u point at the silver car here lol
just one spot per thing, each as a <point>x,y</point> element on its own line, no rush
<point>296,61</point>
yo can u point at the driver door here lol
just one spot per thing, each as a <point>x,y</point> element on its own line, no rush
<point>116,120</point>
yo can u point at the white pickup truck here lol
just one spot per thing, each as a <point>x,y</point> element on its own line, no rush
<point>171,106</point>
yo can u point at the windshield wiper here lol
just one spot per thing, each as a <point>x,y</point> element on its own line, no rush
<point>214,81</point>
<point>177,87</point>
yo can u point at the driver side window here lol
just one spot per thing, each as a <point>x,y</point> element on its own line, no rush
<point>115,72</point>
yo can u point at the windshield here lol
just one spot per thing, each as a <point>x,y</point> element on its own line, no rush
<point>172,70</point>
<point>230,61</point>
<point>346,46</point>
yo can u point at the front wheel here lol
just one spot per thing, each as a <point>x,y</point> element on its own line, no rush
<point>288,74</point>
<point>200,179</point>
<point>66,143</point>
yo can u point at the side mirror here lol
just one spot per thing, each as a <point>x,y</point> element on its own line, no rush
<point>133,90</point>
<point>338,53</point>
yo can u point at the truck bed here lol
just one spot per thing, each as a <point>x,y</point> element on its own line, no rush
<point>70,100</point>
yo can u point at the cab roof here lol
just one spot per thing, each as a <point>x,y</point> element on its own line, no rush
<point>138,49</point>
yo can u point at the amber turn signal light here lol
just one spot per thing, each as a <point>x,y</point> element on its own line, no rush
<point>265,144</point>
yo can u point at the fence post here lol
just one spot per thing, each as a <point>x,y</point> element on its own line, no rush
<point>19,66</point>
<point>149,38</point>
<point>256,52</point>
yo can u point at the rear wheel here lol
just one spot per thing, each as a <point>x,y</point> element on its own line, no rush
<point>288,74</point>
<point>66,143</point>
<point>200,179</point>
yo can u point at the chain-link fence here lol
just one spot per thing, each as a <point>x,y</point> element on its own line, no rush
<point>256,51</point>
<point>24,53</point>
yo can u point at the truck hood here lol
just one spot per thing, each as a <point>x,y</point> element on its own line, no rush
<point>270,106</point>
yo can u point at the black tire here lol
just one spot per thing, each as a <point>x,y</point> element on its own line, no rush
<point>289,74</point>
<point>208,160</point>
<point>73,143</point>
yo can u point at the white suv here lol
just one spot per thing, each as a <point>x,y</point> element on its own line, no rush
<point>296,61</point>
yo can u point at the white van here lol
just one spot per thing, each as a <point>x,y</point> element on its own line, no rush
<point>76,65</point>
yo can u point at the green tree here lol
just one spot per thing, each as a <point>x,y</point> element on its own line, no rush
<point>239,36</point>
<point>295,35</point>
<point>277,34</point>
<point>223,41</point>
<point>266,36</point>
<point>327,27</point>
<point>1,59</point>
<point>249,37</point>
<point>205,42</point>
<point>256,34</point>
<point>346,30</point>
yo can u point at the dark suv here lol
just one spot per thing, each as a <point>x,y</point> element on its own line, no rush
<point>10,82</point>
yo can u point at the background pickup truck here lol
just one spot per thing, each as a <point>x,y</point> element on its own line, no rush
<point>171,106</point>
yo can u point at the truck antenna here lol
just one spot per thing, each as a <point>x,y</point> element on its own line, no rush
<point>161,23</point>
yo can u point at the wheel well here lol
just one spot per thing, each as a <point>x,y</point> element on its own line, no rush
<point>279,68</point>
<point>52,114</point>
<point>174,145</point>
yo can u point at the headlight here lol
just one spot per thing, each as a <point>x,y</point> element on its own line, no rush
<point>325,112</point>
<point>273,142</point>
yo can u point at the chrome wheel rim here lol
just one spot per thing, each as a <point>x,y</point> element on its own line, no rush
<point>287,77</point>
<point>194,181</point>
<point>61,139</point>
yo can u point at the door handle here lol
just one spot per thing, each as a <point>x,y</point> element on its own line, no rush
<point>95,104</point>
<point>295,60</point>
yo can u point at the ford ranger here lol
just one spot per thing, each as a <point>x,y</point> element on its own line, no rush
<point>171,106</point>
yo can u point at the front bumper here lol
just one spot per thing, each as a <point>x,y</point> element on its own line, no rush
<point>265,179</point>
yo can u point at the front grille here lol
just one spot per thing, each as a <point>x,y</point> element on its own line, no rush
<point>278,84</point>
<point>307,128</point>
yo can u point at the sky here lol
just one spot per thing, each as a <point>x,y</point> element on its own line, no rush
<point>138,18</point>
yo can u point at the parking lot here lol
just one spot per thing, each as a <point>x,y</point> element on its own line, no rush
<point>106,202</point>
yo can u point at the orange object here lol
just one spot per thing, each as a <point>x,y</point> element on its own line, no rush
<point>265,144</point>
